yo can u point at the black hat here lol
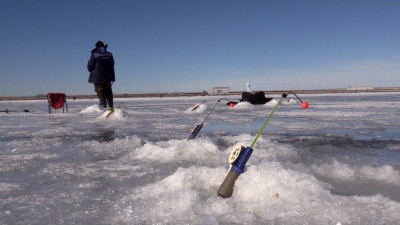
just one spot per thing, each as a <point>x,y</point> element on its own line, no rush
<point>99,44</point>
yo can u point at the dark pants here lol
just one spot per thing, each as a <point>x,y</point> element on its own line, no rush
<point>105,94</point>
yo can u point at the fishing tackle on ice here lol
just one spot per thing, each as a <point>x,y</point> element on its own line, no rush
<point>240,155</point>
<point>198,127</point>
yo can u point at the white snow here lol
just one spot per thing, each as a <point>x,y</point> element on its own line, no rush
<point>334,163</point>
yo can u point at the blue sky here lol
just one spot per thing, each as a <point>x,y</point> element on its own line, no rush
<point>188,45</point>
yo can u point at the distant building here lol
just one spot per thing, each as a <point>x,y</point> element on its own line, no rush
<point>218,90</point>
<point>360,88</point>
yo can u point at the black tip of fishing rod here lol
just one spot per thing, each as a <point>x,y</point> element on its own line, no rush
<point>296,96</point>
<point>304,104</point>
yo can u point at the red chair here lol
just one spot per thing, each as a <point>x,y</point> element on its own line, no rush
<point>57,100</point>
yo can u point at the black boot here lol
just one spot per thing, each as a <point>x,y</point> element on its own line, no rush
<point>102,99</point>
<point>101,93</point>
<point>109,95</point>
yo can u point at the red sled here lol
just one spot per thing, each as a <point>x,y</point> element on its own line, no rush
<point>57,100</point>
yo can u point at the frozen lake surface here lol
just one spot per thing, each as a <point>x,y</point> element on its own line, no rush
<point>337,162</point>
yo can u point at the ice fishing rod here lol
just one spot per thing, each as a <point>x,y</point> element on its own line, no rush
<point>198,127</point>
<point>120,105</point>
<point>112,109</point>
<point>198,105</point>
<point>240,155</point>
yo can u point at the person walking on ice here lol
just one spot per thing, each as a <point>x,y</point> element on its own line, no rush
<point>102,75</point>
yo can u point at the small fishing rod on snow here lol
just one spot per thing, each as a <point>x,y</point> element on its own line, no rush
<point>240,155</point>
<point>198,105</point>
<point>112,109</point>
<point>198,127</point>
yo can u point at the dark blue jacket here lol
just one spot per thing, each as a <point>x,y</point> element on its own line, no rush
<point>101,66</point>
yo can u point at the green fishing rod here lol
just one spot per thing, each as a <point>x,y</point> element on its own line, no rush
<point>240,155</point>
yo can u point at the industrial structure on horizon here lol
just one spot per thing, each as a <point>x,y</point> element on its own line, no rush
<point>360,88</point>
<point>218,90</point>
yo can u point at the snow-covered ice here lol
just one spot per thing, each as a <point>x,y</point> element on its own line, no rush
<point>337,162</point>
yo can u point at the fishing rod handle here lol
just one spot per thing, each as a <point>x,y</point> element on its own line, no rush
<point>195,131</point>
<point>226,188</point>
<point>237,168</point>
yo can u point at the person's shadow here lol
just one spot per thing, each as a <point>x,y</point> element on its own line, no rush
<point>103,134</point>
